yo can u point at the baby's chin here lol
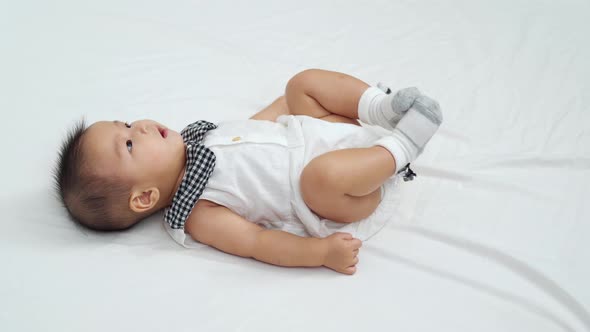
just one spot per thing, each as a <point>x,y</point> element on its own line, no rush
<point>175,137</point>
<point>177,143</point>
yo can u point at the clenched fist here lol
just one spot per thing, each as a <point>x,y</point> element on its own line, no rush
<point>341,251</point>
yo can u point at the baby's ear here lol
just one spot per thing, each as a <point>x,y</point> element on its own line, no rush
<point>144,200</point>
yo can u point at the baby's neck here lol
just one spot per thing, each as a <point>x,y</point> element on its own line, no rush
<point>176,186</point>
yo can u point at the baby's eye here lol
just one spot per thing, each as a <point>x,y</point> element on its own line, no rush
<point>127,125</point>
<point>129,145</point>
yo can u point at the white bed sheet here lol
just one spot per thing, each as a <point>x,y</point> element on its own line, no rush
<point>492,236</point>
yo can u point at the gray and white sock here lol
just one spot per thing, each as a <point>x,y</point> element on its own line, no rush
<point>378,107</point>
<point>414,130</point>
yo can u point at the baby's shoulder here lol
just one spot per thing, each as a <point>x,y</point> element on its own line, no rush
<point>201,219</point>
<point>203,204</point>
<point>200,210</point>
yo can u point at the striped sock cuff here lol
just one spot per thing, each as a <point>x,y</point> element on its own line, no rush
<point>396,148</point>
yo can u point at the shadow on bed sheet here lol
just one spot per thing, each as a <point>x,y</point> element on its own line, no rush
<point>494,256</point>
<point>47,226</point>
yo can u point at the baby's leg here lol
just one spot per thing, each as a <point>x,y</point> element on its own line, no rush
<point>338,97</point>
<point>273,111</point>
<point>344,185</point>
<point>325,95</point>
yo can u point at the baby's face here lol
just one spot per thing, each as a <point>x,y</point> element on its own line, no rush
<point>145,153</point>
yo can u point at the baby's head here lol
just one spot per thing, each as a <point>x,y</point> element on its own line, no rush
<point>113,174</point>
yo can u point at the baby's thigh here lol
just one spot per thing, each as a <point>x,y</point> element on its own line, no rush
<point>323,190</point>
<point>339,119</point>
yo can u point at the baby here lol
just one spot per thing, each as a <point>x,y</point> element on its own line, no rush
<point>300,183</point>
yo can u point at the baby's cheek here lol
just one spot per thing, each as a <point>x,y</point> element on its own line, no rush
<point>157,160</point>
<point>161,157</point>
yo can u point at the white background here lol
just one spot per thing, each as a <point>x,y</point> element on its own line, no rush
<point>492,235</point>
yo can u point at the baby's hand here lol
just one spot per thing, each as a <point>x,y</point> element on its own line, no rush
<point>341,252</point>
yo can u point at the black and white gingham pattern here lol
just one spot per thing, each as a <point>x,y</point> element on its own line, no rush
<point>200,162</point>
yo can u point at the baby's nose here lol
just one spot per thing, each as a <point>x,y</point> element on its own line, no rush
<point>141,128</point>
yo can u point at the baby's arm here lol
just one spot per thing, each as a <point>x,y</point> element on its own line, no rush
<point>223,229</point>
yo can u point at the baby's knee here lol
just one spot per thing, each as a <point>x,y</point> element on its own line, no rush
<point>318,179</point>
<point>301,80</point>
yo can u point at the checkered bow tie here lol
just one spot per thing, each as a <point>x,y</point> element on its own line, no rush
<point>200,162</point>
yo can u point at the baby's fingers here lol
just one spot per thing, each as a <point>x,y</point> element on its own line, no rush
<point>350,270</point>
<point>356,243</point>
<point>344,236</point>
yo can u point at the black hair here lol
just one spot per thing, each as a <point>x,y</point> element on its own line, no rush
<point>95,202</point>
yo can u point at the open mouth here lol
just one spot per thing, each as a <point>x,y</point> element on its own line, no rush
<point>163,132</point>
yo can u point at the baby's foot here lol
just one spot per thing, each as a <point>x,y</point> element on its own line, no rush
<point>378,106</point>
<point>414,130</point>
<point>400,103</point>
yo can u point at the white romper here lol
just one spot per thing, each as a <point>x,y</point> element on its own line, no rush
<point>258,165</point>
